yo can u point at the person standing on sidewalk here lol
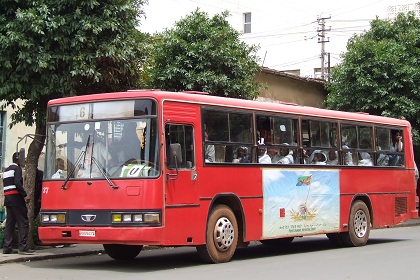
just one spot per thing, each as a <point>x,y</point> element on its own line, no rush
<point>15,200</point>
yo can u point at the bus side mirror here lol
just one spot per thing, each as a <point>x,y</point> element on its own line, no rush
<point>175,158</point>
<point>175,154</point>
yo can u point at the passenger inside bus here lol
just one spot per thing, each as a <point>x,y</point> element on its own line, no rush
<point>396,147</point>
<point>242,155</point>
<point>318,157</point>
<point>96,154</point>
<point>397,144</point>
<point>283,156</point>
<point>350,158</point>
<point>129,146</point>
<point>209,150</point>
<point>364,157</point>
<point>59,167</point>
<point>263,156</point>
<point>332,157</point>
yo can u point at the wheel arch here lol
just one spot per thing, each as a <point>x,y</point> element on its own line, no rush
<point>233,202</point>
<point>366,199</point>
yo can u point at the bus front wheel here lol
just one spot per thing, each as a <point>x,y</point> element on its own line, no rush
<point>359,225</point>
<point>122,252</point>
<point>221,236</point>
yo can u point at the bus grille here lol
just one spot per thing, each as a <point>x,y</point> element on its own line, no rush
<point>400,206</point>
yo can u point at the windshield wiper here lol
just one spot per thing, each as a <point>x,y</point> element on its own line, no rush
<point>105,174</point>
<point>82,154</point>
<point>64,186</point>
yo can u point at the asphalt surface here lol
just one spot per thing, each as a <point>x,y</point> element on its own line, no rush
<point>53,252</point>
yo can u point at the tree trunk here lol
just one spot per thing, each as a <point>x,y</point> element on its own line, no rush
<point>34,151</point>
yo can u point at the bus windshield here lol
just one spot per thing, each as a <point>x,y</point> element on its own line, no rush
<point>92,149</point>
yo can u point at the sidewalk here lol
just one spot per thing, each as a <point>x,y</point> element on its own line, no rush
<point>49,252</point>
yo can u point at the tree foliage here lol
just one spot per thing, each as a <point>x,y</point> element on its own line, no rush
<point>380,72</point>
<point>204,54</point>
<point>57,48</point>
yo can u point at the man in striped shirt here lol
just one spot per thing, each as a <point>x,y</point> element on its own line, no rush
<point>15,200</point>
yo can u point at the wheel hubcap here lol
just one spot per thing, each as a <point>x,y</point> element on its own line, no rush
<point>224,234</point>
<point>360,224</point>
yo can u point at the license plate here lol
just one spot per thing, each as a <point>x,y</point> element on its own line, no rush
<point>88,233</point>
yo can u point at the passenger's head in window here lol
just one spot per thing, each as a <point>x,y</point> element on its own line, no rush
<point>397,144</point>
<point>332,157</point>
<point>284,151</point>
<point>365,144</point>
<point>240,152</point>
<point>319,158</point>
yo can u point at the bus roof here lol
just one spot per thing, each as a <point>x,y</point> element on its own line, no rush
<point>203,98</point>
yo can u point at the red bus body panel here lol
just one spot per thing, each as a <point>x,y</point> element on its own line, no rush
<point>185,203</point>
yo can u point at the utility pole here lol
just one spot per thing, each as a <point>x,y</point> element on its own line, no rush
<point>321,39</point>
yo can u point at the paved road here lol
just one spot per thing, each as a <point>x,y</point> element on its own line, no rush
<point>390,254</point>
<point>49,252</point>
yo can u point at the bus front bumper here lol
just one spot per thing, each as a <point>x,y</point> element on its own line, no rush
<point>101,235</point>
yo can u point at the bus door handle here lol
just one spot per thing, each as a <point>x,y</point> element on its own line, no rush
<point>193,175</point>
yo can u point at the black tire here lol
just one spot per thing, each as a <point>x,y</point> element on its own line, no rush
<point>335,239</point>
<point>359,225</point>
<point>122,252</point>
<point>278,242</point>
<point>221,236</point>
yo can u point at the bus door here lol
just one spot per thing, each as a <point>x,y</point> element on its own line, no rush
<point>180,166</point>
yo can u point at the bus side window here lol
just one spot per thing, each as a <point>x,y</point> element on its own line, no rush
<point>183,135</point>
<point>397,148</point>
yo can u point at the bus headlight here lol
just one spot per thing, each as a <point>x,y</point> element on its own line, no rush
<point>138,218</point>
<point>116,218</point>
<point>135,218</point>
<point>127,218</point>
<point>151,218</point>
<point>53,218</point>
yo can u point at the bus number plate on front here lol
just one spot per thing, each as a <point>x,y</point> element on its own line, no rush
<point>88,233</point>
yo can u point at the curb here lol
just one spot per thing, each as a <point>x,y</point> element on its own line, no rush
<point>41,257</point>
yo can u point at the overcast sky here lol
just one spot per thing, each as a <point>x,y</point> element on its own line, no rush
<point>289,38</point>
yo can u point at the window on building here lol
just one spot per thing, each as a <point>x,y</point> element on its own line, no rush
<point>247,22</point>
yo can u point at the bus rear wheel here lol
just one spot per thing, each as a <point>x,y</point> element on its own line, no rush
<point>221,236</point>
<point>122,252</point>
<point>359,225</point>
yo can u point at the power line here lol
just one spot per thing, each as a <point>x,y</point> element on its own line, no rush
<point>296,62</point>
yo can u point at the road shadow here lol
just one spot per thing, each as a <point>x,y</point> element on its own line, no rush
<point>172,258</point>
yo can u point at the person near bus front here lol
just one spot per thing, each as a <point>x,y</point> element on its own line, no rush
<point>15,200</point>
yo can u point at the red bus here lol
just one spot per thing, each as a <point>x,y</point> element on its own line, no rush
<point>148,167</point>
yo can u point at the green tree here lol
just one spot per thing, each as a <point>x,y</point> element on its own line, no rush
<point>204,54</point>
<point>56,48</point>
<point>380,72</point>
